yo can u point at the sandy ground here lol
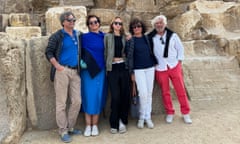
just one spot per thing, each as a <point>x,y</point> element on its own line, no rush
<point>214,122</point>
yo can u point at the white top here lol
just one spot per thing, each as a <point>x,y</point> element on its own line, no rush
<point>175,51</point>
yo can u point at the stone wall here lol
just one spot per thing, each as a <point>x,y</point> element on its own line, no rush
<point>12,61</point>
<point>212,49</point>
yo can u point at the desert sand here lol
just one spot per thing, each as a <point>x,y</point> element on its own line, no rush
<point>214,122</point>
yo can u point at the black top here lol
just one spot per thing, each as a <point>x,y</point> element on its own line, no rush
<point>118,46</point>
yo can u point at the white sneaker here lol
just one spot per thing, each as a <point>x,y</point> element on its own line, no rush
<point>169,118</point>
<point>122,127</point>
<point>140,124</point>
<point>149,123</point>
<point>113,130</point>
<point>95,131</point>
<point>187,119</point>
<point>87,131</point>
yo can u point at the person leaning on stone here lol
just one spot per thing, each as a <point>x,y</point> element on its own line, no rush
<point>117,75</point>
<point>169,51</point>
<point>141,62</point>
<point>63,52</point>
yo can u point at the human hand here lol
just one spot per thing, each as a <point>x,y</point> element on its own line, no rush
<point>59,67</point>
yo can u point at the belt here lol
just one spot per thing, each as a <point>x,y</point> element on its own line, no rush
<point>118,62</point>
<point>71,67</point>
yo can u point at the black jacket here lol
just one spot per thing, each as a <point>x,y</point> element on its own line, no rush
<point>153,33</point>
<point>54,49</point>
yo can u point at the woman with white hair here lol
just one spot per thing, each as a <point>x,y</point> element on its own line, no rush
<point>169,51</point>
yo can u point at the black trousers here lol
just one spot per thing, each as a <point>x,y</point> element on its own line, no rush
<point>119,84</point>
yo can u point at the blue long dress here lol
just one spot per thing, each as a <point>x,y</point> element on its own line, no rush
<point>93,88</point>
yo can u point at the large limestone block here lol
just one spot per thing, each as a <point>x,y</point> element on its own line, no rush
<point>3,22</point>
<point>19,19</point>
<point>204,6</point>
<point>4,126</point>
<point>212,78</point>
<point>53,22</point>
<point>105,4</point>
<point>24,32</point>
<point>203,48</point>
<point>219,19</point>
<point>78,2</point>
<point>12,63</point>
<point>41,95</point>
<point>234,48</point>
<point>186,24</point>
<point>106,15</point>
<point>15,6</point>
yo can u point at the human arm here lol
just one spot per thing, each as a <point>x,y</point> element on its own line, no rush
<point>179,47</point>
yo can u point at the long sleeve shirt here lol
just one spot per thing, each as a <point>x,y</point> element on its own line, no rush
<point>175,51</point>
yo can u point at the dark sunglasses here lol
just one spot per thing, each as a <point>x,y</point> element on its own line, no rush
<point>136,26</point>
<point>71,20</point>
<point>93,22</point>
<point>161,39</point>
<point>118,23</point>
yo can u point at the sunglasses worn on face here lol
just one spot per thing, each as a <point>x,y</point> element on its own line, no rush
<point>136,26</point>
<point>117,23</point>
<point>93,22</point>
<point>71,20</point>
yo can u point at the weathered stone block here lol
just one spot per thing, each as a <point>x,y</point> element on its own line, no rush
<point>19,19</point>
<point>24,32</point>
<point>53,22</point>
<point>106,15</point>
<point>12,63</point>
<point>41,95</point>
<point>211,78</point>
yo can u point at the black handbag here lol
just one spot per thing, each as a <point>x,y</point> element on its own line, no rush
<point>134,102</point>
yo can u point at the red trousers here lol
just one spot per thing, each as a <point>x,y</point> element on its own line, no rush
<point>176,76</point>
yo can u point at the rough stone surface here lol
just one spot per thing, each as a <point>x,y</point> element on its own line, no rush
<point>22,19</point>
<point>13,77</point>
<point>52,18</point>
<point>3,22</point>
<point>24,32</point>
<point>41,95</point>
<point>3,112</point>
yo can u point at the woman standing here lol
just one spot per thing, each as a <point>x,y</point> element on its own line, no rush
<point>141,63</point>
<point>93,77</point>
<point>118,76</point>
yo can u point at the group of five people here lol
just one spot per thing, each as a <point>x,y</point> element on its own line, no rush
<point>84,65</point>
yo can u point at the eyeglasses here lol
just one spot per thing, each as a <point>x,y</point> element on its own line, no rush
<point>136,26</point>
<point>161,39</point>
<point>71,20</point>
<point>118,23</point>
<point>93,22</point>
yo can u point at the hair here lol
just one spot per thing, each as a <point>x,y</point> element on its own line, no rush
<point>111,29</point>
<point>64,15</point>
<point>155,19</point>
<point>93,16</point>
<point>134,22</point>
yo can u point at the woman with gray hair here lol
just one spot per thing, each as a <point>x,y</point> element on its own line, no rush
<point>169,51</point>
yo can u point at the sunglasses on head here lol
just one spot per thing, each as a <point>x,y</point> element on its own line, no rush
<point>71,20</point>
<point>93,22</point>
<point>117,23</point>
<point>136,26</point>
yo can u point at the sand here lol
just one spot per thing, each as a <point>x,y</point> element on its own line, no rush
<point>214,122</point>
